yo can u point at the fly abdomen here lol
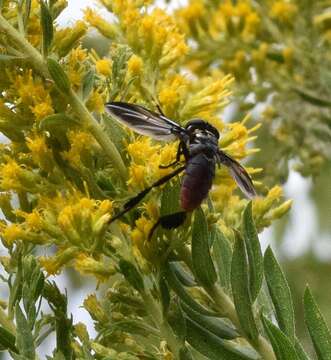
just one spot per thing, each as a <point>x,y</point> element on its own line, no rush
<point>197,181</point>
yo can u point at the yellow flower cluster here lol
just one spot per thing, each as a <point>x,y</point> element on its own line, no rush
<point>32,92</point>
<point>283,11</point>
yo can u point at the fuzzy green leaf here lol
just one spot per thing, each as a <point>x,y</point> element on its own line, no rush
<point>183,276</point>
<point>282,345</point>
<point>240,289</point>
<point>213,347</point>
<point>131,274</point>
<point>59,76</point>
<point>87,84</point>
<point>254,253</point>
<point>24,337</point>
<point>214,325</point>
<point>178,288</point>
<point>7,340</point>
<point>222,255</point>
<point>318,330</point>
<point>165,294</point>
<point>59,121</point>
<point>300,351</point>
<point>202,262</point>
<point>47,26</point>
<point>280,294</point>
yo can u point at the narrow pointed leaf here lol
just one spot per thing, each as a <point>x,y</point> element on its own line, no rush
<point>281,344</point>
<point>178,288</point>
<point>254,253</point>
<point>7,340</point>
<point>318,330</point>
<point>58,75</point>
<point>300,351</point>
<point>202,262</point>
<point>170,198</point>
<point>57,121</point>
<point>240,289</point>
<point>280,294</point>
<point>131,274</point>
<point>214,325</point>
<point>213,347</point>
<point>24,338</point>
<point>222,255</point>
<point>47,26</point>
<point>183,276</point>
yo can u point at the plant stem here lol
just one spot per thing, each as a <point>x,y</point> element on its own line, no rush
<point>39,64</point>
<point>32,53</point>
<point>93,126</point>
<point>166,331</point>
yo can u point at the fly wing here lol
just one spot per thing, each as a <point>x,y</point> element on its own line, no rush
<point>240,175</point>
<point>144,121</point>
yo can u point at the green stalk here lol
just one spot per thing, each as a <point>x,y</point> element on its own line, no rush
<point>33,55</point>
<point>93,126</point>
<point>40,65</point>
<point>166,331</point>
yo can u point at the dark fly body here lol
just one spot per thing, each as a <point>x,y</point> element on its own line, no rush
<point>198,143</point>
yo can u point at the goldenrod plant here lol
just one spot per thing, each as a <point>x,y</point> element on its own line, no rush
<point>201,291</point>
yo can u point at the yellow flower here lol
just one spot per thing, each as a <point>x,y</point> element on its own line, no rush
<point>104,27</point>
<point>66,39</point>
<point>104,67</point>
<point>80,142</point>
<point>41,110</point>
<point>40,152</point>
<point>93,306</point>
<point>11,233</point>
<point>283,11</point>
<point>53,264</point>
<point>135,65</point>
<point>96,101</point>
<point>89,266</point>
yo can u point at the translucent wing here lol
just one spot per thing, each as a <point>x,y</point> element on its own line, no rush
<point>144,121</point>
<point>240,175</point>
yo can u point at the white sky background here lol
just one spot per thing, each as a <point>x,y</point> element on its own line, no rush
<point>300,233</point>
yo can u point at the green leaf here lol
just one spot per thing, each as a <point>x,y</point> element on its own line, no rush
<point>87,84</point>
<point>185,354</point>
<point>183,276</point>
<point>57,121</point>
<point>214,325</point>
<point>7,340</point>
<point>165,294</point>
<point>280,294</point>
<point>131,274</point>
<point>222,251</point>
<point>318,330</point>
<point>202,262</point>
<point>59,76</point>
<point>212,346</point>
<point>24,338</point>
<point>240,289</point>
<point>254,253</point>
<point>5,57</point>
<point>177,321</point>
<point>178,288</point>
<point>282,345</point>
<point>300,351</point>
<point>47,26</point>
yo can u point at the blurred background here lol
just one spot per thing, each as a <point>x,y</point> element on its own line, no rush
<point>295,143</point>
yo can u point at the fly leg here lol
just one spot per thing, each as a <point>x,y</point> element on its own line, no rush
<point>182,150</point>
<point>136,199</point>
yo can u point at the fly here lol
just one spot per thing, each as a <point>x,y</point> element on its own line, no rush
<point>198,143</point>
